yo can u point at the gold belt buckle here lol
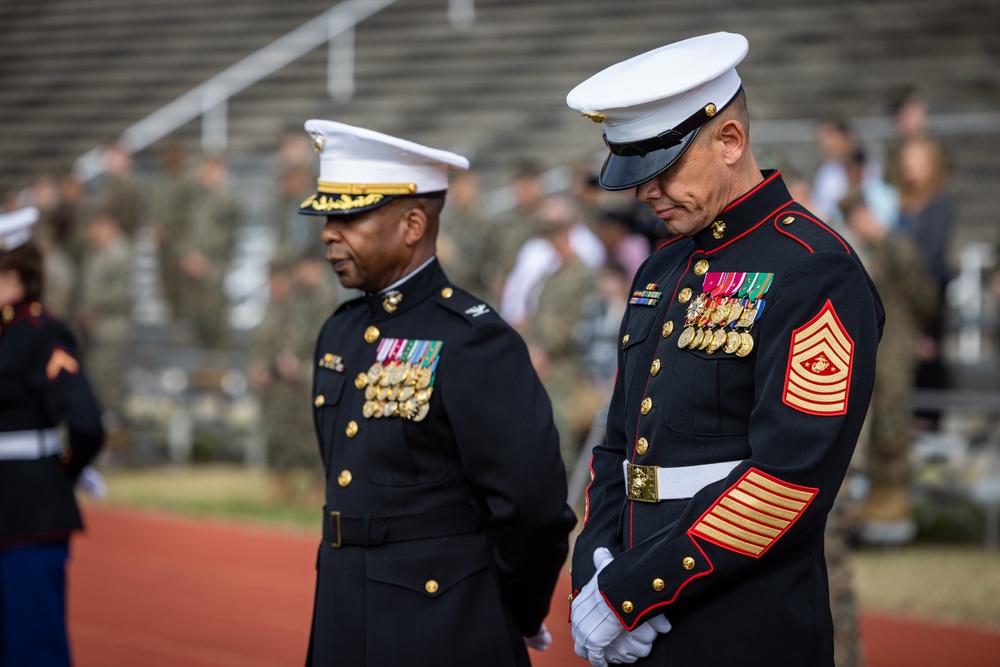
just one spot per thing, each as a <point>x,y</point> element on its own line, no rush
<point>335,521</point>
<point>642,483</point>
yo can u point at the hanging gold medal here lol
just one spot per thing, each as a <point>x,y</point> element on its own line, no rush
<point>746,344</point>
<point>733,342</point>
<point>685,338</point>
<point>718,340</point>
<point>368,410</point>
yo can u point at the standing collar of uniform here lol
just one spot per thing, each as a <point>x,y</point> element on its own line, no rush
<point>409,291</point>
<point>23,309</point>
<point>746,213</point>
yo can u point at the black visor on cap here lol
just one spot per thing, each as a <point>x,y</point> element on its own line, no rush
<point>624,172</point>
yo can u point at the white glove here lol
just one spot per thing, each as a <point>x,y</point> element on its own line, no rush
<point>92,482</point>
<point>594,624</point>
<point>630,646</point>
<point>541,639</point>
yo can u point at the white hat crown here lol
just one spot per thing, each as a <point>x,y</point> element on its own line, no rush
<point>15,227</point>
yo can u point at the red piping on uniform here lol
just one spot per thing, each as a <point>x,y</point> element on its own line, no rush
<point>753,191</point>
<point>631,509</point>
<point>793,237</point>
<point>762,221</point>
<point>667,242</point>
<point>822,225</point>
<point>710,570</point>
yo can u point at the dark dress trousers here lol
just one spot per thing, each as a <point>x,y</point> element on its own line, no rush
<point>446,520</point>
<point>746,365</point>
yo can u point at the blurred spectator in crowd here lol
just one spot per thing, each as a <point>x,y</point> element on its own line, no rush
<point>104,315</point>
<point>512,229</point>
<point>537,258</point>
<point>879,196</point>
<point>66,220</point>
<point>464,240</point>
<point>49,234</point>
<point>622,246</point>
<point>908,109</point>
<point>910,298</point>
<point>204,250</point>
<point>171,195</point>
<point>118,192</point>
<point>927,215</point>
<point>596,335</point>
<point>549,332</point>
<point>295,180</point>
<point>837,143</point>
<point>280,371</point>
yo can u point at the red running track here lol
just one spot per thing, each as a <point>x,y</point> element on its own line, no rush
<point>152,590</point>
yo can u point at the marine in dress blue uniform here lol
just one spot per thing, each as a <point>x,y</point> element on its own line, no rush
<point>446,520</point>
<point>42,386</point>
<point>746,365</point>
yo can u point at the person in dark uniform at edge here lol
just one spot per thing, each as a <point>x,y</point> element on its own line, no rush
<point>446,521</point>
<point>42,387</point>
<point>745,368</point>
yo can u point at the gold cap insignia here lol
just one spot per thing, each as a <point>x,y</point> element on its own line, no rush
<point>318,142</point>
<point>595,116</point>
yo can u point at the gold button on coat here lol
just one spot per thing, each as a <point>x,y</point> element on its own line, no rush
<point>361,381</point>
<point>352,429</point>
<point>688,563</point>
<point>655,370</point>
<point>431,586</point>
<point>627,607</point>
<point>344,478</point>
<point>642,446</point>
<point>658,585</point>
<point>685,295</point>
<point>320,400</point>
<point>646,406</point>
<point>570,598</point>
<point>701,267</point>
<point>787,221</point>
<point>447,292</point>
<point>371,334</point>
<point>668,328</point>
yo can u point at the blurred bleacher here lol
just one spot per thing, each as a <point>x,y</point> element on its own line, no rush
<point>75,74</point>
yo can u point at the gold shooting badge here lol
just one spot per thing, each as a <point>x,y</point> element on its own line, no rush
<point>641,483</point>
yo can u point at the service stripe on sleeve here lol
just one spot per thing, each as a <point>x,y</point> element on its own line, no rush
<point>753,514</point>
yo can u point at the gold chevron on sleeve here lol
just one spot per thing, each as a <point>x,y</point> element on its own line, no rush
<point>753,513</point>
<point>818,376</point>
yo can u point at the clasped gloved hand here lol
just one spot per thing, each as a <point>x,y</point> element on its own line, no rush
<point>598,636</point>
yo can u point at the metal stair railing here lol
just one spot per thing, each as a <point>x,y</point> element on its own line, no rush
<point>210,99</point>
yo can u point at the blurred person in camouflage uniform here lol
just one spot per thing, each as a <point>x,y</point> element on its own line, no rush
<point>518,224</point>
<point>171,195</point>
<point>550,331</point>
<point>104,315</point>
<point>204,250</point>
<point>118,192</point>
<point>910,297</point>
<point>464,248</point>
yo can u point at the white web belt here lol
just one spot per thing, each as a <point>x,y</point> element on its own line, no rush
<point>652,483</point>
<point>27,445</point>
